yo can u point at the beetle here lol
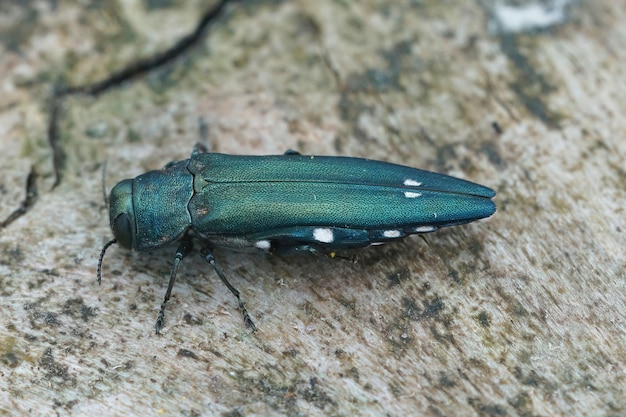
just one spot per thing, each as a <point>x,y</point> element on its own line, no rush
<point>283,204</point>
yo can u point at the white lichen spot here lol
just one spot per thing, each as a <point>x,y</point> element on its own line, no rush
<point>323,235</point>
<point>412,194</point>
<point>412,183</point>
<point>391,233</point>
<point>263,244</point>
<point>528,16</point>
<point>424,229</point>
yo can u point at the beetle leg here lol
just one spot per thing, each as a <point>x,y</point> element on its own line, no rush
<point>183,250</point>
<point>208,256</point>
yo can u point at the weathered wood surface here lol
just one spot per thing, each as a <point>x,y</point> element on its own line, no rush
<point>522,314</point>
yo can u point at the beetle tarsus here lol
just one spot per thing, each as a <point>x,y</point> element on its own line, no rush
<point>183,250</point>
<point>208,256</point>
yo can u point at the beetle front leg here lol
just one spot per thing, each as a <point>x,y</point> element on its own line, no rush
<point>183,250</point>
<point>208,256</point>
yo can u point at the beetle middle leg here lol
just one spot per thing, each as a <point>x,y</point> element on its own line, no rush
<point>207,255</point>
<point>183,250</point>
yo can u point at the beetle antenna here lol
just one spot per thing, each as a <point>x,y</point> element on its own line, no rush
<point>202,146</point>
<point>104,186</point>
<point>203,130</point>
<point>104,249</point>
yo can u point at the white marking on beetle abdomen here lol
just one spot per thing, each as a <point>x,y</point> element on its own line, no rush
<point>323,235</point>
<point>411,194</point>
<point>263,244</point>
<point>391,233</point>
<point>424,229</point>
<point>412,183</point>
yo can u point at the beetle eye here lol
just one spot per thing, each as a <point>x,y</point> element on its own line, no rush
<point>122,231</point>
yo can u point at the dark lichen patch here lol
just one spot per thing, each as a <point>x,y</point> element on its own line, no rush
<point>454,274</point>
<point>487,410</point>
<point>447,247</point>
<point>309,309</point>
<point>348,303</point>
<point>484,319</point>
<point>380,80</point>
<point>158,4</point>
<point>10,354</point>
<point>398,333</point>
<point>411,309</point>
<point>186,353</point>
<point>26,21</point>
<point>77,308</point>
<point>348,370</point>
<point>530,86</point>
<point>12,255</point>
<point>315,395</point>
<point>490,150</point>
<point>290,353</point>
<point>533,379</point>
<point>431,309</point>
<point>50,318</point>
<point>398,276</point>
<point>397,390</point>
<point>523,404</point>
<point>446,381</point>
<point>190,319</point>
<point>352,373</point>
<point>442,336</point>
<point>282,395</point>
<point>358,89</point>
<point>55,371</point>
<point>9,359</point>
<point>477,364</point>
<point>444,153</point>
<point>512,305</point>
<point>235,412</point>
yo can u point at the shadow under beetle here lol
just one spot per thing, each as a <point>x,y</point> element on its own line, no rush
<point>284,203</point>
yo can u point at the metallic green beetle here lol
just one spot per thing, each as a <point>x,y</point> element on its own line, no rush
<point>284,203</point>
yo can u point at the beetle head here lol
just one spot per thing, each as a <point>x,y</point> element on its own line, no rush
<point>122,214</point>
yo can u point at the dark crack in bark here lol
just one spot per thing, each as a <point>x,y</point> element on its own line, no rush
<point>132,71</point>
<point>58,153</point>
<point>27,203</point>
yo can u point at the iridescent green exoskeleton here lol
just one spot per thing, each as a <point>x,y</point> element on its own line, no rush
<point>284,203</point>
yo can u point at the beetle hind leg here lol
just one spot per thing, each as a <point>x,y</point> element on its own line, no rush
<point>207,255</point>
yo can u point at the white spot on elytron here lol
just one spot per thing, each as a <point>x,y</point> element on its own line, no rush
<point>411,194</point>
<point>323,235</point>
<point>424,229</point>
<point>391,233</point>
<point>412,183</point>
<point>263,244</point>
